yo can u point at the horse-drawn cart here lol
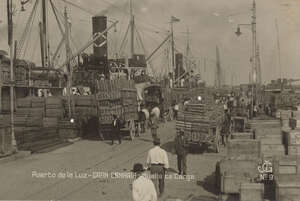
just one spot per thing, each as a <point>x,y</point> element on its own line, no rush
<point>201,124</point>
<point>118,97</point>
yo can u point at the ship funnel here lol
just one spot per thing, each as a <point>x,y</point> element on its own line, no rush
<point>99,25</point>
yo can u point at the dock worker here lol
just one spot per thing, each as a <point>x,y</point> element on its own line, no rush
<point>158,162</point>
<point>143,188</point>
<point>153,124</point>
<point>116,127</point>
<point>181,152</point>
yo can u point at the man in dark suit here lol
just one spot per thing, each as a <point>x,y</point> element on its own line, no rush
<point>116,127</point>
<point>181,152</point>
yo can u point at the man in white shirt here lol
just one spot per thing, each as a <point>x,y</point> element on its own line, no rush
<point>143,188</point>
<point>158,162</point>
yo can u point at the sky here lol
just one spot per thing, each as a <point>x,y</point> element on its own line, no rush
<point>211,23</point>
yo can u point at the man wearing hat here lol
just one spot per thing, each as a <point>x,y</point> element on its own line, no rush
<point>181,152</point>
<point>143,188</point>
<point>158,162</point>
<point>116,127</point>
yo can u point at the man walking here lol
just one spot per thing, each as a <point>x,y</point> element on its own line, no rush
<point>143,188</point>
<point>158,162</point>
<point>116,127</point>
<point>153,124</point>
<point>181,152</point>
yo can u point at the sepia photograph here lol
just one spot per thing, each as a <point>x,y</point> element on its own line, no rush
<point>149,100</point>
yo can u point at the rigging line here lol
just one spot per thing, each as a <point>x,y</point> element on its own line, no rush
<point>25,32</point>
<point>60,26</point>
<point>125,37</point>
<point>34,48</point>
<point>56,17</point>
<point>94,13</point>
<point>26,43</point>
<point>79,7</point>
<point>118,37</point>
<point>128,13</point>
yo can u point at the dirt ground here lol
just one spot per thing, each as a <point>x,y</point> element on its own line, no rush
<point>95,170</point>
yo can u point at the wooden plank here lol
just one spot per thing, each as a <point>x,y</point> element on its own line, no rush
<point>243,147</point>
<point>287,190</point>
<point>286,165</point>
<point>294,150</point>
<point>252,192</point>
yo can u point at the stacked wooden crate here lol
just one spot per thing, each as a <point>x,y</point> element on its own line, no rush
<point>109,99</point>
<point>197,120</point>
<point>37,112</point>
<point>287,178</point>
<point>292,141</point>
<point>285,116</point>
<point>238,169</point>
<point>36,122</point>
<point>67,130</point>
<point>85,106</point>
<point>251,192</point>
<point>54,107</point>
<point>269,133</point>
<point>129,102</point>
<point>295,120</point>
<point>242,135</point>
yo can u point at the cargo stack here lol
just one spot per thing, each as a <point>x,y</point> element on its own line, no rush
<point>85,106</point>
<point>54,107</point>
<point>287,178</point>
<point>269,133</point>
<point>130,104</point>
<point>109,99</point>
<point>285,116</point>
<point>36,123</point>
<point>197,120</point>
<point>295,120</point>
<point>292,136</point>
<point>236,174</point>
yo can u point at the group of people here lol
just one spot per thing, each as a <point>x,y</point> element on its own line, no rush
<point>149,189</point>
<point>146,121</point>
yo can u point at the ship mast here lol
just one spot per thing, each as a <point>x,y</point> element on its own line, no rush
<point>44,35</point>
<point>132,26</point>
<point>12,89</point>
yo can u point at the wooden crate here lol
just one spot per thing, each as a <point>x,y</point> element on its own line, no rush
<point>294,123</point>
<point>264,132</point>
<point>50,122</point>
<point>252,192</point>
<point>296,114</point>
<point>245,135</point>
<point>293,137</point>
<point>236,148</point>
<point>271,140</point>
<point>264,124</point>
<point>285,123</point>
<point>287,190</point>
<point>231,184</point>
<point>270,150</point>
<point>232,170</point>
<point>286,165</point>
<point>294,150</point>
